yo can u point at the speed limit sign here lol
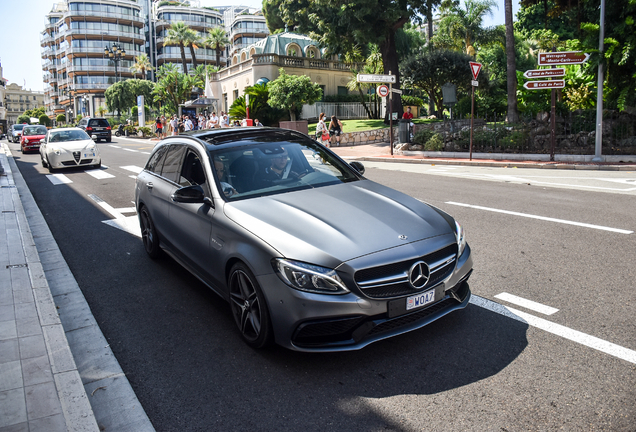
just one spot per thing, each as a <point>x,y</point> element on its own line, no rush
<point>383,90</point>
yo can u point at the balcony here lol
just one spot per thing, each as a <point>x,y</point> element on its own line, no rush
<point>92,86</point>
<point>82,32</point>
<point>97,50</point>
<point>176,58</point>
<point>190,23</point>
<point>99,14</point>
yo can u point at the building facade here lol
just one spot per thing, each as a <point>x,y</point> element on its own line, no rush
<point>244,26</point>
<point>199,19</point>
<point>77,70</point>
<point>17,100</point>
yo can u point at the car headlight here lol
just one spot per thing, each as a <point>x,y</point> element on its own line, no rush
<point>461,238</point>
<point>55,150</point>
<point>90,148</point>
<point>308,277</point>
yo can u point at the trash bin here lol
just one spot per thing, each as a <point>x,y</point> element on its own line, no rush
<point>404,133</point>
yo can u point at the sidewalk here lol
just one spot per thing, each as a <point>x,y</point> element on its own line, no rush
<point>40,386</point>
<point>381,152</point>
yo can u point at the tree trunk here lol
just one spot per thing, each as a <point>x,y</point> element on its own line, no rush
<point>183,59</point>
<point>218,58</point>
<point>194,58</point>
<point>390,63</point>
<point>511,65</point>
<point>429,18</point>
<point>364,102</point>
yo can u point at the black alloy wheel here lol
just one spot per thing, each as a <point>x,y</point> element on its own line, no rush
<point>149,234</point>
<point>249,308</point>
<point>44,164</point>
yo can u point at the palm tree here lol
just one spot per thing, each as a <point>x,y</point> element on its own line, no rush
<point>217,40</point>
<point>463,27</point>
<point>142,65</point>
<point>180,34</point>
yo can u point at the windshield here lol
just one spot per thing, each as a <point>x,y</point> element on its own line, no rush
<point>266,168</point>
<point>18,127</point>
<point>34,130</point>
<point>68,135</point>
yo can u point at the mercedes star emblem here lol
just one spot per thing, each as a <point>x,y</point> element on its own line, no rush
<point>419,275</point>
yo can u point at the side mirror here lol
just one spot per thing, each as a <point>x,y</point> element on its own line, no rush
<point>43,141</point>
<point>191,195</point>
<point>358,167</point>
<point>94,137</point>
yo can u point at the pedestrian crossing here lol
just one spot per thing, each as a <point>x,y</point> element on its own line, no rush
<point>99,174</point>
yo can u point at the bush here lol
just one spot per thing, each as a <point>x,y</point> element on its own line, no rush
<point>146,131</point>
<point>412,101</point>
<point>436,143</point>
<point>130,130</point>
<point>61,118</point>
<point>423,136</point>
<point>45,120</point>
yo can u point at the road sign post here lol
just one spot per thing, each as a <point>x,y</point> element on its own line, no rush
<point>562,58</point>
<point>474,69</point>
<point>386,91</point>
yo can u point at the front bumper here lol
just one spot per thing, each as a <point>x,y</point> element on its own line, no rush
<point>326,323</point>
<point>73,159</point>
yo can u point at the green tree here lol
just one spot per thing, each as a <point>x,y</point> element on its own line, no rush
<point>370,65</point>
<point>182,35</point>
<point>291,92</point>
<point>174,88</point>
<point>431,70</point>
<point>259,108</point>
<point>217,40</point>
<point>44,120</point>
<point>273,15</point>
<point>142,65</point>
<point>61,118</point>
<point>462,28</point>
<point>122,96</point>
<point>23,118</point>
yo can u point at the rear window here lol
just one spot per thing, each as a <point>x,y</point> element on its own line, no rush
<point>98,122</point>
<point>18,127</point>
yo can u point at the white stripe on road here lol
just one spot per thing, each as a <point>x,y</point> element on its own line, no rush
<point>528,304</point>
<point>599,227</point>
<point>557,329</point>
<point>130,150</point>
<point>103,204</point>
<point>114,146</point>
<point>58,179</point>
<point>99,174</point>
<point>143,152</point>
<point>130,224</point>
<point>127,210</point>
<point>133,168</point>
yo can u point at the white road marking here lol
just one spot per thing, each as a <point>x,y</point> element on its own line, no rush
<point>143,152</point>
<point>557,329</point>
<point>127,210</point>
<point>528,304</point>
<point>563,221</point>
<point>130,224</point>
<point>58,179</point>
<point>99,174</point>
<point>133,177</point>
<point>133,168</point>
<point>130,150</point>
<point>114,146</point>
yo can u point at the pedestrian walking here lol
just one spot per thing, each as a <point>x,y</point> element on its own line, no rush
<point>335,129</point>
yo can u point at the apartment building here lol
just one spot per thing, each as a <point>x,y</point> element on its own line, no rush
<point>75,59</point>
<point>17,100</point>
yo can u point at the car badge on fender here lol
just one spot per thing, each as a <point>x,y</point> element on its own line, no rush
<point>402,237</point>
<point>419,275</point>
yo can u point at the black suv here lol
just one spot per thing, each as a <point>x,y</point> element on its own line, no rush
<point>96,126</point>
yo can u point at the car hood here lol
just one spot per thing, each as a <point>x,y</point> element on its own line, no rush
<point>339,222</point>
<point>33,137</point>
<point>71,145</point>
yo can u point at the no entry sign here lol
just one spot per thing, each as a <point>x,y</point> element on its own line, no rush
<point>383,90</point>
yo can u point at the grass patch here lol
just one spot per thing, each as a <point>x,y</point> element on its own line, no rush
<point>366,124</point>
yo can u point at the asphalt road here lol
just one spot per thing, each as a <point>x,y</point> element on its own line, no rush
<point>564,240</point>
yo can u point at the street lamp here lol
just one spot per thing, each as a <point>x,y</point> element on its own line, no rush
<point>115,54</point>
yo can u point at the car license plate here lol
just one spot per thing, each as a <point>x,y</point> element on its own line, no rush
<point>99,129</point>
<point>89,155</point>
<point>419,300</point>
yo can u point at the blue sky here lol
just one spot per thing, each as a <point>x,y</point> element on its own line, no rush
<point>22,22</point>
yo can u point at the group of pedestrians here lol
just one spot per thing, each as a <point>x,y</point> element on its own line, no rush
<point>175,124</point>
<point>328,133</point>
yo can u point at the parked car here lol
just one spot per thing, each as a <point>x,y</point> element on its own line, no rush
<point>15,132</point>
<point>69,147</point>
<point>31,137</point>
<point>308,253</point>
<point>96,126</point>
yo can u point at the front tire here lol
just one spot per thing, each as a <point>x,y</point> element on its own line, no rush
<point>149,234</point>
<point>249,308</point>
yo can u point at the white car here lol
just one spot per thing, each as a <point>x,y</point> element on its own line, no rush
<point>69,147</point>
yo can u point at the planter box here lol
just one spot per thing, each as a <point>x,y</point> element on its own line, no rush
<point>300,126</point>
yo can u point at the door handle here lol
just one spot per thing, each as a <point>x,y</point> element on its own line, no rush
<point>149,185</point>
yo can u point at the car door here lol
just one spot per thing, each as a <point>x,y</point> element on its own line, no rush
<point>192,222</point>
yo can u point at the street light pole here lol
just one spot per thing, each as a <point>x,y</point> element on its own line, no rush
<point>116,54</point>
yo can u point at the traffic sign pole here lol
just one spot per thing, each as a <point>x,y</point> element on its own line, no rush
<point>391,115</point>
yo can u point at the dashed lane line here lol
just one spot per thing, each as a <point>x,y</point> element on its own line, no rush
<point>528,304</point>
<point>557,329</point>
<point>58,179</point>
<point>526,215</point>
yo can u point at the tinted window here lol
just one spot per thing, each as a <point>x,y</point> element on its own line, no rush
<point>156,160</point>
<point>192,172</point>
<point>279,166</point>
<point>172,165</point>
<point>98,122</point>
<point>34,130</point>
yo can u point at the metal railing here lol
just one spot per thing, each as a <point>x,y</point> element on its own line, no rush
<point>348,110</point>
